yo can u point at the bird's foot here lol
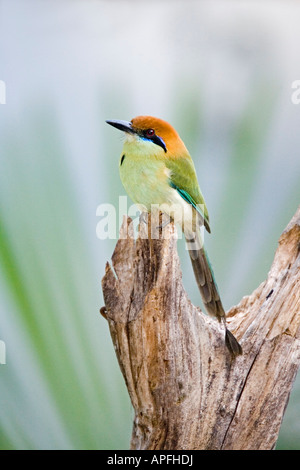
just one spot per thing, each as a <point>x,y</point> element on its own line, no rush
<point>164,224</point>
<point>144,217</point>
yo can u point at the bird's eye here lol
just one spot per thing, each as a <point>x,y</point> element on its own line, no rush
<point>149,133</point>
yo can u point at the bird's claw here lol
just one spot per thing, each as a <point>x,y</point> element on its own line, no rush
<point>144,217</point>
<point>164,224</point>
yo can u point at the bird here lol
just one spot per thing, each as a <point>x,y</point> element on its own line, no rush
<point>157,169</point>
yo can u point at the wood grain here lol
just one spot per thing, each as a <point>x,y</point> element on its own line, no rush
<point>186,391</point>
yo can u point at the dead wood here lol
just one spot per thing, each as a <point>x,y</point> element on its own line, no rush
<point>186,391</point>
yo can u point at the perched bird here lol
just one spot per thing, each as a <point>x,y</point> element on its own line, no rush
<point>156,168</point>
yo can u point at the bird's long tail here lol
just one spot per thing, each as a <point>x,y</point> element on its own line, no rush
<point>208,288</point>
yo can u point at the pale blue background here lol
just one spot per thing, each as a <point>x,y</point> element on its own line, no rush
<point>221,73</point>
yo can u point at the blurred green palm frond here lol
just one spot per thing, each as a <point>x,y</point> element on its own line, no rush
<point>61,387</point>
<point>54,291</point>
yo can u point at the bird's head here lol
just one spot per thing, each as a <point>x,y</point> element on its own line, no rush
<point>152,133</point>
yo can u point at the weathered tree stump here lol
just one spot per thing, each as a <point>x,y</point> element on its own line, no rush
<point>186,391</point>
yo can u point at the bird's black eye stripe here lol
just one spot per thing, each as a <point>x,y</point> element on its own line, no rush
<point>159,141</point>
<point>150,135</point>
<point>122,159</point>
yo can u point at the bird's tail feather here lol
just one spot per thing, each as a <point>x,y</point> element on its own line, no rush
<point>208,288</point>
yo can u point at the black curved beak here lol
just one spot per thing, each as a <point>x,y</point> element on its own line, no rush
<point>124,126</point>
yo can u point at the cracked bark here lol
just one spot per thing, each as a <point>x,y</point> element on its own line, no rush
<point>185,390</point>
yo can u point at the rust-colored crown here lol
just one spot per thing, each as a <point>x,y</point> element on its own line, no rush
<point>163,129</point>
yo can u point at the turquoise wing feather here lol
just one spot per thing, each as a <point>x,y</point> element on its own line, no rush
<point>183,178</point>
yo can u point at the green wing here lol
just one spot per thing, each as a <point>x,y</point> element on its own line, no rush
<point>183,178</point>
